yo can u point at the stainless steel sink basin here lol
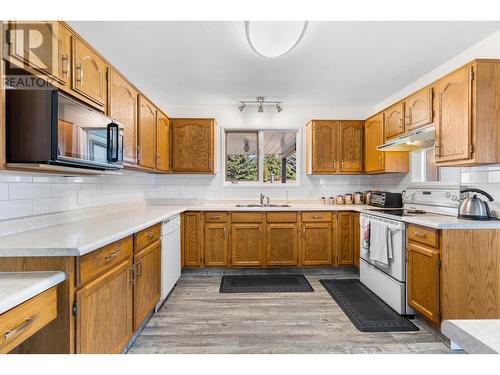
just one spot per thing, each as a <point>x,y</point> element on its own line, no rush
<point>262,205</point>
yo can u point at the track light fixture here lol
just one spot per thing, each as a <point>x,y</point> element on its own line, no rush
<point>260,102</point>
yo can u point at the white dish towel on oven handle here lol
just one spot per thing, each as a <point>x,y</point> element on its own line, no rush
<point>381,248</point>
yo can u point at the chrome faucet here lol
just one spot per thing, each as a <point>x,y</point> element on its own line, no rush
<point>262,196</point>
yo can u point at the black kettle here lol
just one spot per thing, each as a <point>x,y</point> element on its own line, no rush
<point>474,208</point>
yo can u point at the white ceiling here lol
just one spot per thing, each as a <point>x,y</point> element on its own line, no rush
<point>337,63</point>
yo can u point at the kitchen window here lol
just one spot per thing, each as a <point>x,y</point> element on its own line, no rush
<point>267,157</point>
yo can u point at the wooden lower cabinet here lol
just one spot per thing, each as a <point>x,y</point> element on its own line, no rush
<point>193,239</point>
<point>282,245</point>
<point>423,281</point>
<point>147,282</point>
<point>345,247</point>
<point>357,239</point>
<point>316,244</point>
<point>216,245</point>
<point>104,312</point>
<point>247,245</point>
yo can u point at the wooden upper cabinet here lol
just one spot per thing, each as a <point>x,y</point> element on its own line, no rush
<point>323,146</point>
<point>193,145</point>
<point>147,282</point>
<point>374,137</point>
<point>123,107</point>
<point>247,247</point>
<point>147,133</point>
<point>89,73</point>
<point>394,121</point>
<point>423,281</point>
<point>282,244</point>
<point>350,146</point>
<point>345,234</point>
<point>453,123</point>
<point>216,245</point>
<point>64,55</point>
<point>104,318</point>
<point>418,109</point>
<point>162,142</point>
<point>192,239</point>
<point>34,45</point>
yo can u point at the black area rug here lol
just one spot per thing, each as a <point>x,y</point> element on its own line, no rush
<point>365,310</point>
<point>264,284</point>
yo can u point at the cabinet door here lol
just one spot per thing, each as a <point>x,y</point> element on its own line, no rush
<point>282,245</point>
<point>247,247</point>
<point>351,146</point>
<point>34,45</point>
<point>324,147</point>
<point>147,281</point>
<point>345,249</point>
<point>104,316</point>
<point>418,109</point>
<point>89,73</point>
<point>64,55</point>
<point>216,245</point>
<point>193,239</point>
<point>393,121</point>
<point>147,133</point>
<point>123,107</point>
<point>316,244</point>
<point>193,145</point>
<point>423,281</point>
<point>453,125</point>
<point>356,239</point>
<point>162,142</point>
<point>374,137</point>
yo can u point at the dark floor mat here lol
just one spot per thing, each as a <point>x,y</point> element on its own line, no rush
<point>365,310</point>
<point>264,284</point>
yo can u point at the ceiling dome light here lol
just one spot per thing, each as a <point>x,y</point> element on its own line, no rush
<point>274,38</point>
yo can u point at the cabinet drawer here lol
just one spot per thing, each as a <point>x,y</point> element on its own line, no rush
<point>427,236</point>
<point>281,217</point>
<point>99,261</point>
<point>317,216</point>
<point>216,217</point>
<point>247,217</point>
<point>146,237</point>
<point>21,322</point>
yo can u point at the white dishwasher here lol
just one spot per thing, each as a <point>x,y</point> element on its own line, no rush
<point>170,256</point>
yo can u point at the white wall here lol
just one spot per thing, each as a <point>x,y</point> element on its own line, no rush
<point>487,48</point>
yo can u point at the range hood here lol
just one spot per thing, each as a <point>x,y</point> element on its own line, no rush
<point>417,140</point>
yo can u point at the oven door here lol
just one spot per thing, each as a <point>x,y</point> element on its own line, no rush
<point>87,137</point>
<point>397,264</point>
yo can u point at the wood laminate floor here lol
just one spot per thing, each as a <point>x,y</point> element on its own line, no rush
<point>197,319</point>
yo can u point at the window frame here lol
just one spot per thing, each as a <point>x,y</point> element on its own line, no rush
<point>260,157</point>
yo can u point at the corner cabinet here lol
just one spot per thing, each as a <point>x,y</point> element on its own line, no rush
<point>378,161</point>
<point>334,147</point>
<point>193,145</point>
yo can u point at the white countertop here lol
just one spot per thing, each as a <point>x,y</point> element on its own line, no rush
<point>475,336</point>
<point>86,235</point>
<point>18,287</point>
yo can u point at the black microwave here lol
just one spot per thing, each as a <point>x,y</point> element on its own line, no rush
<point>49,127</point>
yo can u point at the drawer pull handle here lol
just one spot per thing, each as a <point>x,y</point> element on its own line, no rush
<point>150,235</point>
<point>316,217</point>
<point>419,235</point>
<point>20,328</point>
<point>112,256</point>
<point>132,275</point>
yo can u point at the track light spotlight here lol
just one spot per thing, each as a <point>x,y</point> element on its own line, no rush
<point>279,108</point>
<point>242,107</point>
<point>261,108</point>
